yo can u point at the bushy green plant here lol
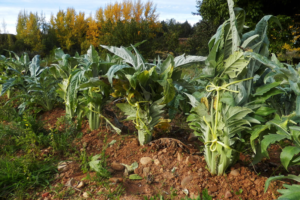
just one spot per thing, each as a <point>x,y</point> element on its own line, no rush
<point>224,111</point>
<point>148,87</point>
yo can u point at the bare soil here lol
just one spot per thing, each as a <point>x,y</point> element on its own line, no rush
<point>176,164</point>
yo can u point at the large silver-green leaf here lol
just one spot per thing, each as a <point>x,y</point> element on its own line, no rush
<point>75,80</point>
<point>34,67</point>
<point>92,55</point>
<point>92,82</point>
<point>185,61</point>
<point>125,54</point>
<point>114,69</point>
<point>235,35</point>
<point>193,101</point>
<point>139,59</point>
<point>235,64</point>
<point>169,90</point>
<point>7,85</point>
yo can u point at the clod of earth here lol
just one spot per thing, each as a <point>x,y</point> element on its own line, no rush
<point>186,180</point>
<point>117,166</point>
<point>234,172</point>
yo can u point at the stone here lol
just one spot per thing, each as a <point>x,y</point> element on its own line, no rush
<point>156,162</point>
<point>186,180</point>
<point>117,166</point>
<point>145,160</point>
<point>146,171</point>
<point>179,157</point>
<point>234,172</point>
<point>192,137</point>
<point>80,185</point>
<point>254,192</point>
<point>85,195</point>
<point>257,182</point>
<point>227,194</point>
<point>213,188</point>
<point>189,160</point>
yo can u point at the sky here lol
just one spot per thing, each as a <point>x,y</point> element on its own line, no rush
<point>180,10</point>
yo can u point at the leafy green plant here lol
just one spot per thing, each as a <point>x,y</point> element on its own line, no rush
<point>230,71</point>
<point>147,87</point>
<point>291,192</point>
<point>62,135</point>
<point>284,129</point>
<point>99,166</point>
<point>19,78</point>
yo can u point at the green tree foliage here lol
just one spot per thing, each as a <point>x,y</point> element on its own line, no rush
<point>216,11</point>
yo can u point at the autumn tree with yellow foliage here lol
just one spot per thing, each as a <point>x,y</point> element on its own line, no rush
<point>122,24</point>
<point>28,30</point>
<point>119,24</point>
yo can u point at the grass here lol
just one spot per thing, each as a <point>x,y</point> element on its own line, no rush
<point>22,168</point>
<point>19,175</point>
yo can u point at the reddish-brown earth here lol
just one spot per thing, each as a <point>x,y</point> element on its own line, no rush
<point>173,164</point>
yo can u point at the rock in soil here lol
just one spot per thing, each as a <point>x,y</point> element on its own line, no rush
<point>186,180</point>
<point>145,160</point>
<point>85,195</point>
<point>179,157</point>
<point>80,185</point>
<point>117,166</point>
<point>234,172</point>
<point>189,160</point>
<point>227,194</point>
<point>254,192</point>
<point>146,171</point>
<point>156,162</point>
<point>213,188</point>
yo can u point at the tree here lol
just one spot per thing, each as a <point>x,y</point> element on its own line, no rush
<point>28,30</point>
<point>216,12</point>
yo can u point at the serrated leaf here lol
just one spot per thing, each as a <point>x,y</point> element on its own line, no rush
<point>113,70</point>
<point>269,94</point>
<point>193,100</point>
<point>290,176</point>
<point>266,88</point>
<point>270,139</point>
<point>184,61</point>
<point>227,98</point>
<point>235,64</point>
<point>287,155</point>
<point>255,134</point>
<point>265,111</point>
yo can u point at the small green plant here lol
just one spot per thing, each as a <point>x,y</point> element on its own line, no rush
<point>63,135</point>
<point>240,191</point>
<point>205,196</point>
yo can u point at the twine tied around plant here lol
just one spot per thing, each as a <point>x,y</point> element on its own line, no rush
<point>210,88</point>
